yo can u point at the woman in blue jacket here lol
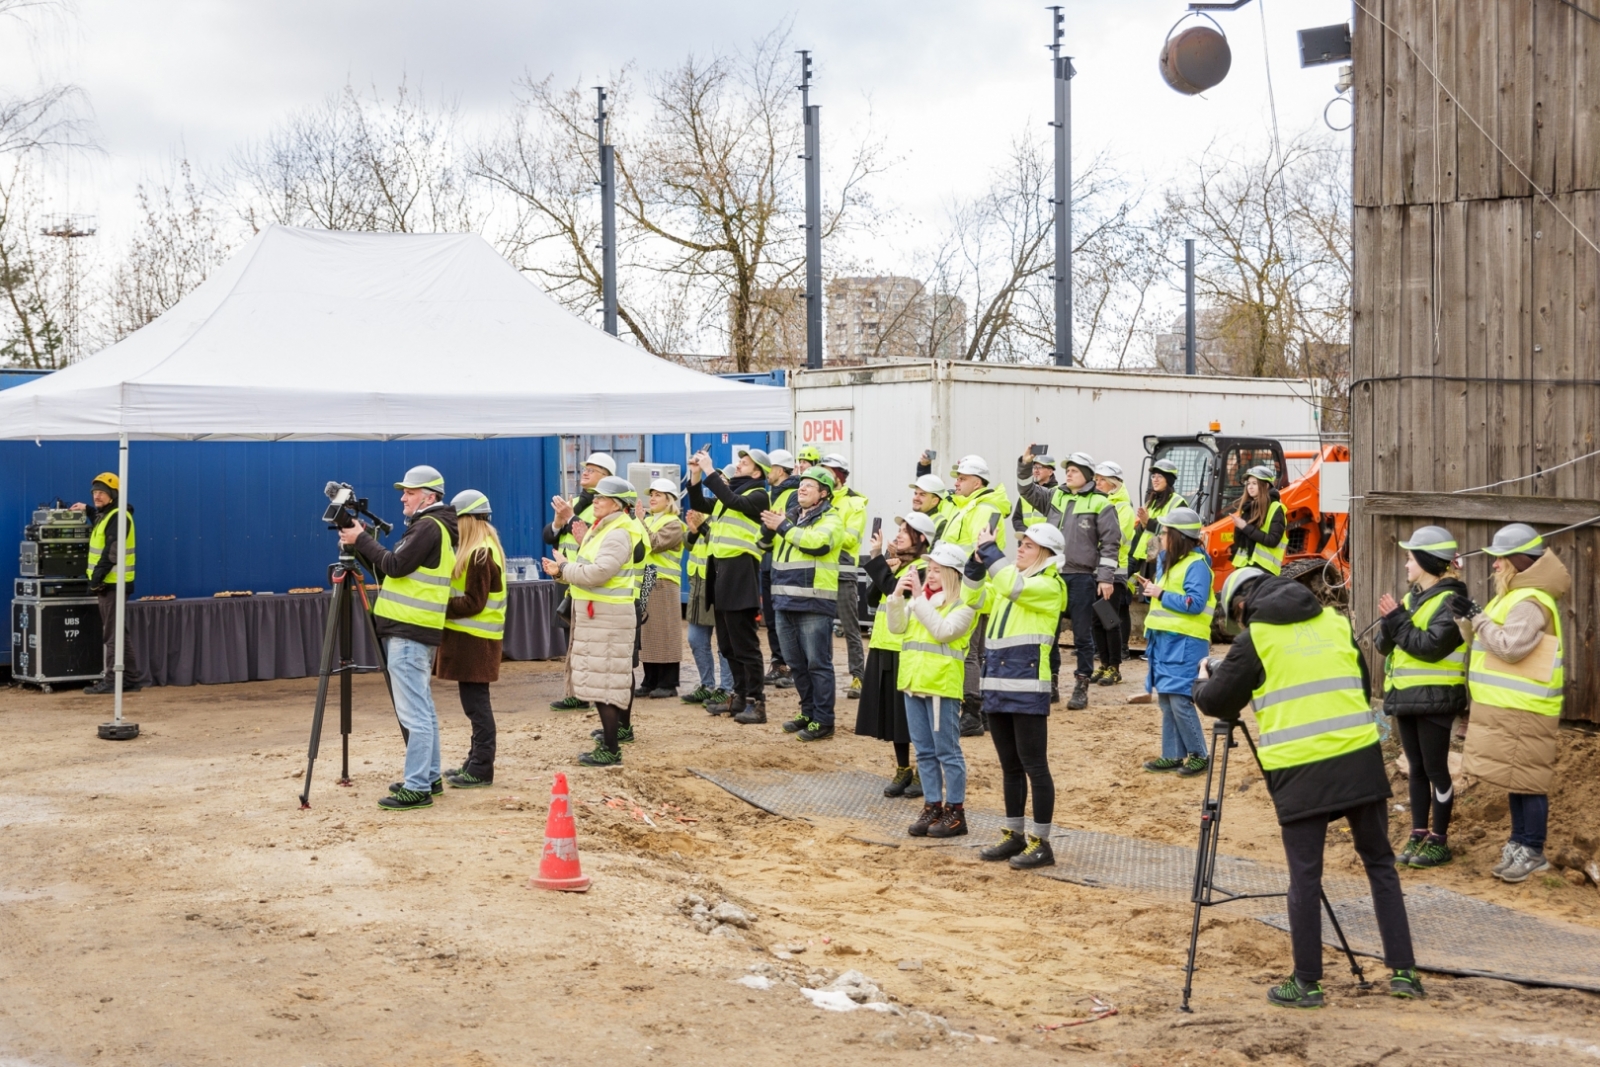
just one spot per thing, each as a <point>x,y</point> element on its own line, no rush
<point>1178,636</point>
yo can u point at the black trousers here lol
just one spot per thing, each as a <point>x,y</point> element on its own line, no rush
<point>107,598</point>
<point>1110,642</point>
<point>475,702</point>
<point>661,675</point>
<point>1082,592</point>
<point>1055,651</point>
<point>769,617</point>
<point>739,640</point>
<point>1020,742</point>
<point>1426,741</point>
<point>1303,844</point>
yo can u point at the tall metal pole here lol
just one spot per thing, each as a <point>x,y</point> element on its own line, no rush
<point>813,160</point>
<point>1188,306</point>
<point>608,218</point>
<point>1063,194</point>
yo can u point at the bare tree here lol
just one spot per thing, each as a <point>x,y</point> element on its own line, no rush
<point>32,315</point>
<point>179,243</point>
<point>47,117</point>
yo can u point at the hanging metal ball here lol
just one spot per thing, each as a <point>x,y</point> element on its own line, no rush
<point>1195,60</point>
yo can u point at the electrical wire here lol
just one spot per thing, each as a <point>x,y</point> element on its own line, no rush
<point>1272,102</point>
<point>1535,474</point>
<point>1552,533</point>
<point>1586,14</point>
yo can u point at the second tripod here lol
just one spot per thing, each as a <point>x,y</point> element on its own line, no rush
<point>1206,892</point>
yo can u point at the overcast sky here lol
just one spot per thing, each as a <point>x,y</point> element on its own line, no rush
<point>950,82</point>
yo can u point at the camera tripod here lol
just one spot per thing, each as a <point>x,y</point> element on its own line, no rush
<point>1206,892</point>
<point>348,584</point>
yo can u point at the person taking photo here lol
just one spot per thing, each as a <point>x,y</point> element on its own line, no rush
<point>882,711</point>
<point>1178,635</point>
<point>806,581</point>
<point>661,635</point>
<point>784,481</point>
<point>733,566</point>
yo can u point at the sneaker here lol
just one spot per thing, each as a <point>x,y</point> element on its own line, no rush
<point>571,704</point>
<point>1508,852</point>
<point>952,822</point>
<point>814,731</point>
<point>897,785</point>
<point>642,690</point>
<point>624,735</point>
<point>776,674</point>
<point>1406,985</point>
<point>854,692</point>
<point>1037,854</point>
<point>100,688</point>
<point>1293,993</point>
<point>699,696</point>
<point>971,725</point>
<point>914,790</point>
<point>662,693</point>
<point>406,800</point>
<point>1192,766</point>
<point>930,815</point>
<point>754,714</point>
<point>796,724</point>
<point>1162,765</point>
<point>1433,852</point>
<point>463,780</point>
<point>1098,675</point>
<point>1413,843</point>
<point>602,756</point>
<point>1010,844</point>
<point>1110,676</point>
<point>1528,861</point>
<point>399,787</point>
<point>1080,695</point>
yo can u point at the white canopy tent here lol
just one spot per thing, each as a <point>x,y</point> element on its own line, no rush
<point>310,335</point>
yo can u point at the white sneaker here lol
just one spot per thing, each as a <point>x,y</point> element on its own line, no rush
<point>1528,862</point>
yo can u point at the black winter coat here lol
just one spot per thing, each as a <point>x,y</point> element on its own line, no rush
<point>1441,638</point>
<point>418,547</point>
<point>732,583</point>
<point>1329,785</point>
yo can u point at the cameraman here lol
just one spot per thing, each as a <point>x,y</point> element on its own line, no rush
<point>1297,665</point>
<point>409,618</point>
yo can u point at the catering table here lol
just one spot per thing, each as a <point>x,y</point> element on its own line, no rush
<point>209,641</point>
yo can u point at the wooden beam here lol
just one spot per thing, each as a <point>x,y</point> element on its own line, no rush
<point>1486,507</point>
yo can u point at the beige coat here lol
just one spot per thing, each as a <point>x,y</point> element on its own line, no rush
<point>661,640</point>
<point>601,656</point>
<point>1508,748</point>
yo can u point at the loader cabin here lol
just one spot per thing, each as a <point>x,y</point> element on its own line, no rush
<point>1211,468</point>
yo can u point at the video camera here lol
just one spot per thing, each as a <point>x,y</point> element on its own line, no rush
<point>346,509</point>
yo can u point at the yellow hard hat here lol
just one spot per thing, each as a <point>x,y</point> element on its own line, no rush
<point>108,480</point>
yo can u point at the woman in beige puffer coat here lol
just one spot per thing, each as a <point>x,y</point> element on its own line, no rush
<point>603,580</point>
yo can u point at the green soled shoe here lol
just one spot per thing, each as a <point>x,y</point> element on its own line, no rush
<point>1162,765</point>
<point>699,696</point>
<point>815,731</point>
<point>406,800</point>
<point>438,786</point>
<point>624,735</point>
<point>1292,993</point>
<point>1406,985</point>
<point>1413,843</point>
<point>463,780</point>
<point>1432,852</point>
<point>602,757</point>
<point>570,704</point>
<point>798,723</point>
<point>1192,766</point>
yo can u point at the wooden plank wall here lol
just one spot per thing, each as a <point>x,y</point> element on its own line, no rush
<point>1476,328</point>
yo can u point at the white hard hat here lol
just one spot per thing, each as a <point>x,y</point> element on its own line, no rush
<point>948,554</point>
<point>918,522</point>
<point>782,457</point>
<point>836,461</point>
<point>601,460</point>
<point>973,465</point>
<point>665,485</point>
<point>1047,537</point>
<point>1109,469</point>
<point>1082,460</point>
<point>931,483</point>
<point>758,457</point>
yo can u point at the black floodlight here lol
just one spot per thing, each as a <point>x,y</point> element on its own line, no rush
<point>1325,44</point>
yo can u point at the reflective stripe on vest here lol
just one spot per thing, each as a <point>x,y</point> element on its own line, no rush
<point>962,529</point>
<point>697,554</point>
<point>490,623</point>
<point>419,598</point>
<point>566,542</point>
<point>1268,559</point>
<point>1164,618</point>
<point>1015,685</point>
<point>97,545</point>
<point>1542,697</point>
<point>797,574</point>
<point>731,533</point>
<point>883,637</point>
<point>668,562</point>
<point>1125,524</point>
<point>1310,707</point>
<point>620,588</point>
<point>1148,542</point>
<point>852,509</point>
<point>932,667</point>
<point>1402,670</point>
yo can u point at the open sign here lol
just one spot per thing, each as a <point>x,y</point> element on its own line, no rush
<point>824,428</point>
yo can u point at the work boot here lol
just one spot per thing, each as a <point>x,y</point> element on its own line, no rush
<point>624,735</point>
<point>815,731</point>
<point>952,822</point>
<point>1433,852</point>
<point>1037,854</point>
<point>1292,993</point>
<point>854,692</point>
<point>930,815</point>
<point>786,682</point>
<point>1528,861</point>
<point>1010,844</point>
<point>571,704</point>
<point>914,790</point>
<point>463,780</point>
<point>1110,676</point>
<point>796,724</point>
<point>1412,844</point>
<point>101,688</point>
<point>776,674</point>
<point>1193,765</point>
<point>1080,695</point>
<point>699,696</point>
<point>897,785</point>
<point>602,756</point>
<point>971,724</point>
<point>723,704</point>
<point>1162,765</point>
<point>406,800</point>
<point>754,714</point>
<point>1098,677</point>
<point>1055,692</point>
<point>1406,985</point>
<point>438,786</point>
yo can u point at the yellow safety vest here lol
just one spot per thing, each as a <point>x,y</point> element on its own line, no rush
<point>490,623</point>
<point>667,562</point>
<point>1311,707</point>
<point>798,575</point>
<point>972,514</point>
<point>419,598</point>
<point>622,587</point>
<point>1146,548</point>
<point>1402,670</point>
<point>731,533</point>
<point>97,545</point>
<point>932,667</point>
<point>566,542</point>
<point>1542,696</point>
<point>1162,617</point>
<point>1125,522</point>
<point>1023,615</point>
<point>1268,559</point>
<point>882,637</point>
<point>697,553</point>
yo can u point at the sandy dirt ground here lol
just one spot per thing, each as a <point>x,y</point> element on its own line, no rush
<point>166,901</point>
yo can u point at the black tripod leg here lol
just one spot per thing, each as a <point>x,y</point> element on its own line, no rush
<point>330,634</point>
<point>1205,863</point>
<point>346,666</point>
<point>1355,968</point>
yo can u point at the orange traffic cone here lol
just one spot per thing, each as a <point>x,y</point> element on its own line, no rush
<point>558,867</point>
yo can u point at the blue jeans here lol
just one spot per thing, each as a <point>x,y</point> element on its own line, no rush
<point>1530,819</point>
<point>705,660</point>
<point>410,668</point>
<point>1181,734</point>
<point>939,760</point>
<point>807,640</point>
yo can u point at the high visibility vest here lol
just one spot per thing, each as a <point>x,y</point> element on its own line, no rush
<point>1402,670</point>
<point>781,501</point>
<point>1087,502</point>
<point>802,581</point>
<point>622,587</point>
<point>1023,616</point>
<point>1310,708</point>
<point>1147,544</point>
<point>731,533</point>
<point>1542,696</point>
<point>882,637</point>
<point>1030,514</point>
<point>97,545</point>
<point>852,509</point>
<point>697,553</point>
<point>1162,617</point>
<point>972,514</point>
<point>566,542</point>
<point>1254,555</point>
<point>640,554</point>
<point>933,667</point>
<point>668,562</point>
<point>419,598</point>
<point>941,515</point>
<point>490,623</point>
<point>1125,522</point>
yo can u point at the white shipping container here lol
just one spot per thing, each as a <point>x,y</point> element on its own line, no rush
<point>882,417</point>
